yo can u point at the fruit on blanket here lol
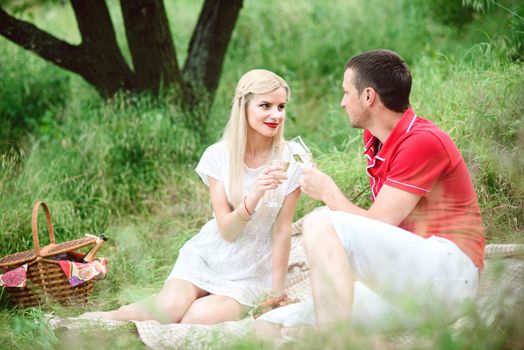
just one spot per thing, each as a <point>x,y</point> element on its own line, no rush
<point>271,303</point>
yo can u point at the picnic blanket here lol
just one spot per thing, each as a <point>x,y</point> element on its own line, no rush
<point>500,291</point>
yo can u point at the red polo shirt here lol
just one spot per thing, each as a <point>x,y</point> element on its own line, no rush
<point>419,158</point>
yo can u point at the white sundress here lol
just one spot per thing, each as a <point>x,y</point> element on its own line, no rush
<point>240,269</point>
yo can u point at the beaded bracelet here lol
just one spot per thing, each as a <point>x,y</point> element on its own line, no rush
<point>242,216</point>
<point>245,206</point>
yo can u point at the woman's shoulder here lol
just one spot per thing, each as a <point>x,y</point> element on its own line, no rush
<point>215,153</point>
<point>213,162</point>
<point>218,148</point>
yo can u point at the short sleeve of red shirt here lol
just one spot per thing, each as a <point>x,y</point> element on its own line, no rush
<point>417,163</point>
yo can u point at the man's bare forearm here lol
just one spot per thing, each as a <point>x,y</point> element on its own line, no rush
<point>336,200</point>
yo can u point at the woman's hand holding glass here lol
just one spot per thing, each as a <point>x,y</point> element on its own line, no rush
<point>269,179</point>
<point>280,160</point>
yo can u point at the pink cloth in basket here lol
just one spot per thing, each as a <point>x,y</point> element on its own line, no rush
<point>78,273</point>
<point>14,278</point>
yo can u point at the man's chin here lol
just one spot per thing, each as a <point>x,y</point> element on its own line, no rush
<point>354,125</point>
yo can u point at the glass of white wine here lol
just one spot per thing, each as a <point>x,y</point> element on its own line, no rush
<point>301,153</point>
<point>281,157</point>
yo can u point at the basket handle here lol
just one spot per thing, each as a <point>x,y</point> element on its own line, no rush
<point>34,223</point>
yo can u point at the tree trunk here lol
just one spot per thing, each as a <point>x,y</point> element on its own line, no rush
<point>99,61</point>
<point>150,43</point>
<point>208,45</point>
<point>102,62</point>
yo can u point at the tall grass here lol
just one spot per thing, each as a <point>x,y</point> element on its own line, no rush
<point>125,166</point>
<point>96,165</point>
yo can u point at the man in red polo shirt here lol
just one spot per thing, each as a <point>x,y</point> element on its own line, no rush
<point>414,255</point>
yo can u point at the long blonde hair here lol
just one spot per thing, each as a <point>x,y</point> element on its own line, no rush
<point>254,82</point>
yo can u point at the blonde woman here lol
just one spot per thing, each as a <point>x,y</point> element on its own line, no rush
<point>242,253</point>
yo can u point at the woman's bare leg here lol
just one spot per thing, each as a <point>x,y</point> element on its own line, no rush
<point>168,306</point>
<point>213,309</point>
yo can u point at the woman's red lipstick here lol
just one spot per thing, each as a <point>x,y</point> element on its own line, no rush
<point>272,125</point>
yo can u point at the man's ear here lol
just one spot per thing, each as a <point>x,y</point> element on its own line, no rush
<point>370,95</point>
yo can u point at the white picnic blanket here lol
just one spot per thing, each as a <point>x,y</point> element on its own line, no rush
<point>500,289</point>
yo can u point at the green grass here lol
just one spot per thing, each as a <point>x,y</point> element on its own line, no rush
<point>125,166</point>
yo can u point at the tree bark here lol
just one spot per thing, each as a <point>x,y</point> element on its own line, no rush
<point>43,44</point>
<point>208,45</point>
<point>99,61</point>
<point>102,62</point>
<point>150,43</point>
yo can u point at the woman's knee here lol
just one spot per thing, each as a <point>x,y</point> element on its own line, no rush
<point>198,314</point>
<point>157,307</point>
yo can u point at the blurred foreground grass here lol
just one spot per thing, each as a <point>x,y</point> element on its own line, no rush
<point>125,166</point>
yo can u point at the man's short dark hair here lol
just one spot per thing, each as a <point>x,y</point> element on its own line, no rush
<point>387,73</point>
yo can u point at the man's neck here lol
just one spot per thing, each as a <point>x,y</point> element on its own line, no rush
<point>384,122</point>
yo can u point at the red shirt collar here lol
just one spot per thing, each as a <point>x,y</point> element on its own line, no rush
<point>372,144</point>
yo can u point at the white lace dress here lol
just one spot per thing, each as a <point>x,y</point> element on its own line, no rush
<point>239,269</point>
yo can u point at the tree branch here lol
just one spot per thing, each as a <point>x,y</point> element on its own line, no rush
<point>95,25</point>
<point>98,59</point>
<point>38,41</point>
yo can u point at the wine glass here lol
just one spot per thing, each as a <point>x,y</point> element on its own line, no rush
<point>281,157</point>
<point>301,153</point>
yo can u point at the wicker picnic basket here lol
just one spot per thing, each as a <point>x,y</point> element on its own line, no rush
<point>46,282</point>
